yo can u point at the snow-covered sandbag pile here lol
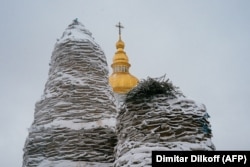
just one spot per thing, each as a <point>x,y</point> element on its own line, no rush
<point>74,122</point>
<point>156,116</point>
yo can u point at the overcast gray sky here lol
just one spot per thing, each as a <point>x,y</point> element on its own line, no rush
<point>202,46</point>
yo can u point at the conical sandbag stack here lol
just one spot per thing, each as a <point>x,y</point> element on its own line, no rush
<point>74,122</point>
<point>155,116</point>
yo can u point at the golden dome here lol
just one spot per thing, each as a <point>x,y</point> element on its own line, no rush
<point>121,80</point>
<point>122,83</point>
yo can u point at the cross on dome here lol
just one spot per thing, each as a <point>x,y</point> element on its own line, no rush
<point>119,26</point>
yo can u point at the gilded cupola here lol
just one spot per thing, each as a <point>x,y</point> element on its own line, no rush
<point>121,80</point>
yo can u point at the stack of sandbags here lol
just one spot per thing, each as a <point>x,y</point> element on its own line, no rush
<point>74,122</point>
<point>155,116</point>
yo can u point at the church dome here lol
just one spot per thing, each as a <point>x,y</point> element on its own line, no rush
<point>121,80</point>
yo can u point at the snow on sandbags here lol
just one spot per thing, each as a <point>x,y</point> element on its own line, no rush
<point>156,116</point>
<point>75,119</point>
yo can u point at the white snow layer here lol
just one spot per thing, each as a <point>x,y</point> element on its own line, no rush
<point>76,31</point>
<point>76,124</point>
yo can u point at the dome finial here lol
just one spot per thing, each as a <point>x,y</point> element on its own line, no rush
<point>120,43</point>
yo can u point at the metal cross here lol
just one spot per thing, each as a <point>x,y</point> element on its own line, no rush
<point>120,27</point>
